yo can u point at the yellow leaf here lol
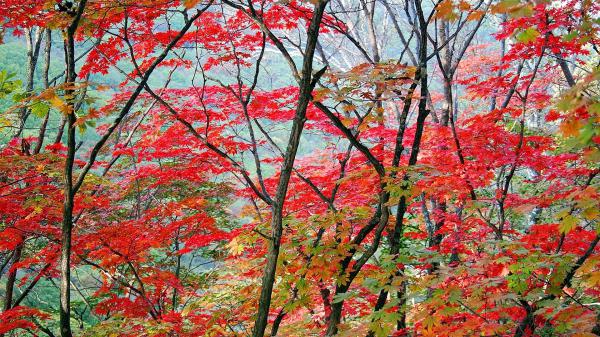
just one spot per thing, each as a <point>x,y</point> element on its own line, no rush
<point>591,213</point>
<point>593,279</point>
<point>567,224</point>
<point>430,322</point>
<point>571,127</point>
<point>235,248</point>
<point>515,8</point>
<point>349,107</point>
<point>319,94</point>
<point>528,35</point>
<point>347,122</point>
<point>59,104</point>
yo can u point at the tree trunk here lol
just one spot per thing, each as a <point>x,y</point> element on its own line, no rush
<point>33,51</point>
<point>306,85</point>
<point>396,234</point>
<point>66,228</point>
<point>45,78</point>
<point>68,191</point>
<point>12,277</point>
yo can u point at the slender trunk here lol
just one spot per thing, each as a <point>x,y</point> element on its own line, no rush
<point>499,73</point>
<point>565,69</point>
<point>396,234</point>
<point>527,324</point>
<point>336,312</point>
<point>447,113</point>
<point>423,112</point>
<point>45,78</point>
<point>306,85</point>
<point>268,279</point>
<point>370,18</point>
<point>377,222</point>
<point>177,268</point>
<point>33,46</point>
<point>71,186</point>
<point>12,277</point>
<point>435,238</point>
<point>445,64</point>
<point>399,148</point>
<point>60,131</point>
<point>33,49</point>
<point>277,322</point>
<point>68,191</point>
<point>337,308</point>
<point>66,228</point>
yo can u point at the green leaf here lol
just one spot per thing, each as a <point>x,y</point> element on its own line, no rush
<point>570,36</point>
<point>594,108</point>
<point>516,283</point>
<point>528,35</point>
<point>430,321</point>
<point>337,298</point>
<point>567,224</point>
<point>18,97</point>
<point>587,133</point>
<point>40,110</point>
<point>454,295</point>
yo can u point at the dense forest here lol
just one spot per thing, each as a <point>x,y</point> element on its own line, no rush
<point>183,168</point>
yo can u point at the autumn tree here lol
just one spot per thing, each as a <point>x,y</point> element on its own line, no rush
<point>335,168</point>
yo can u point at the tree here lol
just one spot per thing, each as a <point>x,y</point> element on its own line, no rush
<point>336,168</point>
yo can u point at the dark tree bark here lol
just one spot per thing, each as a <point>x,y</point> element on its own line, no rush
<point>33,51</point>
<point>12,277</point>
<point>72,186</point>
<point>45,79</point>
<point>68,191</point>
<point>396,234</point>
<point>307,83</point>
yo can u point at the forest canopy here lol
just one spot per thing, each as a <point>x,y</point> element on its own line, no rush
<point>184,168</point>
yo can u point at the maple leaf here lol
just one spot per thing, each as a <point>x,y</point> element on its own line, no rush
<point>188,4</point>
